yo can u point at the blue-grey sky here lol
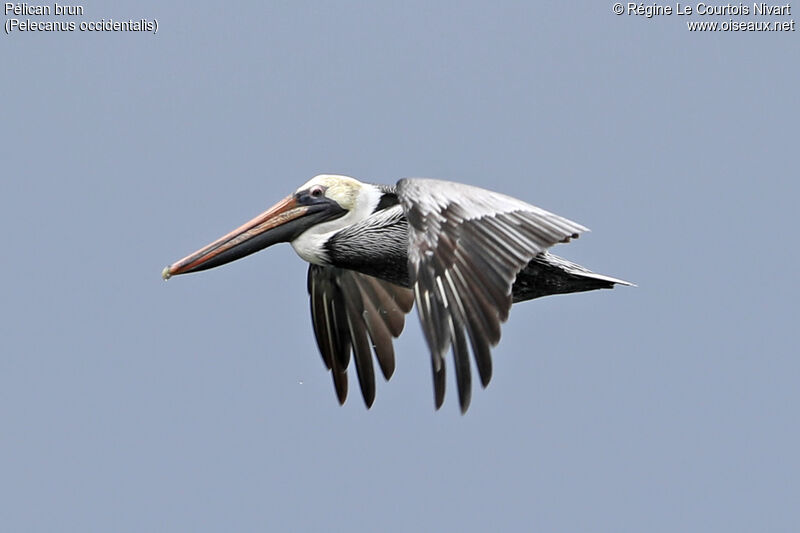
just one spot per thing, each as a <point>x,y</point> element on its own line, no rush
<point>128,404</point>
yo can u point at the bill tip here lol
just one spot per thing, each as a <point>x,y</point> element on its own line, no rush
<point>165,275</point>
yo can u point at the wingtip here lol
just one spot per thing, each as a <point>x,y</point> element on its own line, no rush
<point>340,385</point>
<point>438,399</point>
<point>369,400</point>
<point>609,279</point>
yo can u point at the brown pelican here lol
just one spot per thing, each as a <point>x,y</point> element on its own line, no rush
<point>462,253</point>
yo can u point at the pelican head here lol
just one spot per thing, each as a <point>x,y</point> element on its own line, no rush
<point>323,205</point>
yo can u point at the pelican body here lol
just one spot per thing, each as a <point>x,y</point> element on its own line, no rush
<point>461,253</point>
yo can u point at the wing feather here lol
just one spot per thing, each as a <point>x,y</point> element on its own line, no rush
<point>351,312</point>
<point>327,330</point>
<point>466,247</point>
<point>361,351</point>
<point>381,338</point>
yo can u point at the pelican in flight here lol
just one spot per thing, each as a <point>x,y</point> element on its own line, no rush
<point>461,253</point>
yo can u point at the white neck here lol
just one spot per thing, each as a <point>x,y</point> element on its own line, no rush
<point>310,245</point>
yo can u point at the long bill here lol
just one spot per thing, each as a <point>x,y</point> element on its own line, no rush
<point>277,224</point>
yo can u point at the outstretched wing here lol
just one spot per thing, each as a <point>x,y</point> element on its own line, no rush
<point>466,246</point>
<point>350,312</point>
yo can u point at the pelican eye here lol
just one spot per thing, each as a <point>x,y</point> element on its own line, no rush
<point>317,191</point>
